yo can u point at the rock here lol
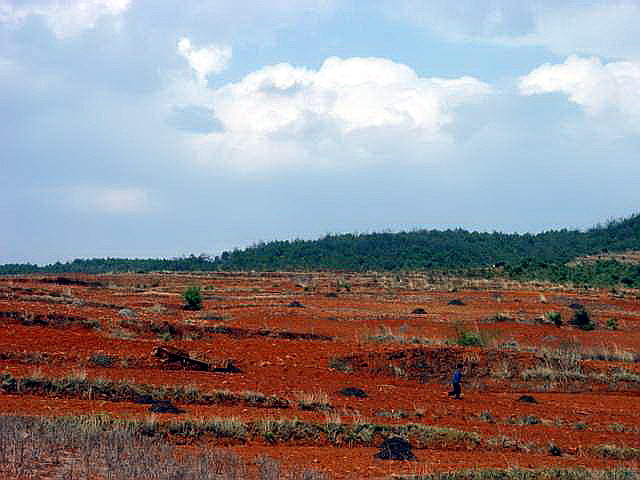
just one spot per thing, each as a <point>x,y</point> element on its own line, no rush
<point>527,399</point>
<point>395,448</point>
<point>164,406</point>
<point>353,392</point>
<point>576,306</point>
<point>127,313</point>
<point>295,304</point>
<point>331,295</point>
<point>419,311</point>
<point>554,450</point>
<point>456,301</point>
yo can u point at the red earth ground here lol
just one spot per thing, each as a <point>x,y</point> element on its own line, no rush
<point>365,335</point>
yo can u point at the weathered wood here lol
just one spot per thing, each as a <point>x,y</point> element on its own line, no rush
<point>178,358</point>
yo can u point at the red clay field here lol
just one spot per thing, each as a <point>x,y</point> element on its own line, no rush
<point>307,374</point>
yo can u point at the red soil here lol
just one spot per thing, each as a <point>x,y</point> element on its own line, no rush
<point>605,414</point>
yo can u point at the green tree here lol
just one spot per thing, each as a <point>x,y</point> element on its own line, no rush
<point>192,298</point>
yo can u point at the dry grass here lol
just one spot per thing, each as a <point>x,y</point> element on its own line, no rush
<point>91,447</point>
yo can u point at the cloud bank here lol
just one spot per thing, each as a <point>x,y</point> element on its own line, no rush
<point>601,27</point>
<point>65,18</point>
<point>358,107</point>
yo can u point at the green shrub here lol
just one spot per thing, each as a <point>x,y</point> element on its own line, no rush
<point>192,298</point>
<point>554,317</point>
<point>612,324</point>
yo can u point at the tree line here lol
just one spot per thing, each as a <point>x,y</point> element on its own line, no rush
<point>543,255</point>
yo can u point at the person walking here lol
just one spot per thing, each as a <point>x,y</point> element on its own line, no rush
<point>455,381</point>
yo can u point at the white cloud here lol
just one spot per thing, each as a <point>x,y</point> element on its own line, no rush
<point>596,27</point>
<point>606,28</point>
<point>109,200</point>
<point>361,108</point>
<point>609,90</point>
<point>206,60</point>
<point>65,18</point>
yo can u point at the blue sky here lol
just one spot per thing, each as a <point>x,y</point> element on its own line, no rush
<point>157,129</point>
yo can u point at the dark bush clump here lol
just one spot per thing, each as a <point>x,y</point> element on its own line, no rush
<point>527,399</point>
<point>164,406</point>
<point>395,448</point>
<point>353,392</point>
<point>581,319</point>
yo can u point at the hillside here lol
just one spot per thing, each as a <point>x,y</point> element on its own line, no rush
<point>426,249</point>
<point>421,249</point>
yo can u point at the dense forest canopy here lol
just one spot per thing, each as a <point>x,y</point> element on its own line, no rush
<point>541,255</point>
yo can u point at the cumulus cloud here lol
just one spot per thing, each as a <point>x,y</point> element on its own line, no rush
<point>65,18</point>
<point>602,89</point>
<point>106,200</point>
<point>359,107</point>
<point>601,27</point>
<point>206,60</point>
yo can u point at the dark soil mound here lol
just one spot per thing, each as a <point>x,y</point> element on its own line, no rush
<point>419,311</point>
<point>70,281</point>
<point>295,304</point>
<point>527,399</point>
<point>164,406</point>
<point>395,448</point>
<point>353,392</point>
<point>456,301</point>
<point>147,399</point>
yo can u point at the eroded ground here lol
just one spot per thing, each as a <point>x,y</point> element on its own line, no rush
<point>301,338</point>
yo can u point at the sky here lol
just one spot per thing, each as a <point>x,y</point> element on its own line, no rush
<point>139,128</point>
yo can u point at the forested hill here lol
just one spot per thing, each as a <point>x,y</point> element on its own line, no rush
<point>434,249</point>
<point>422,249</point>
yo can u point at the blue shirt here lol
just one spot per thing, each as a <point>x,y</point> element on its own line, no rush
<point>457,376</point>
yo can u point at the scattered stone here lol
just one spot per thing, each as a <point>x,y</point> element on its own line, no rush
<point>296,304</point>
<point>527,399</point>
<point>127,313</point>
<point>353,392</point>
<point>395,448</point>
<point>554,450</point>
<point>164,406</point>
<point>456,301</point>
<point>419,311</point>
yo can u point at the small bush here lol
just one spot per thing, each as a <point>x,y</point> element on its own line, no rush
<point>468,338</point>
<point>582,320</point>
<point>612,324</point>
<point>617,452</point>
<point>554,317</point>
<point>192,298</point>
